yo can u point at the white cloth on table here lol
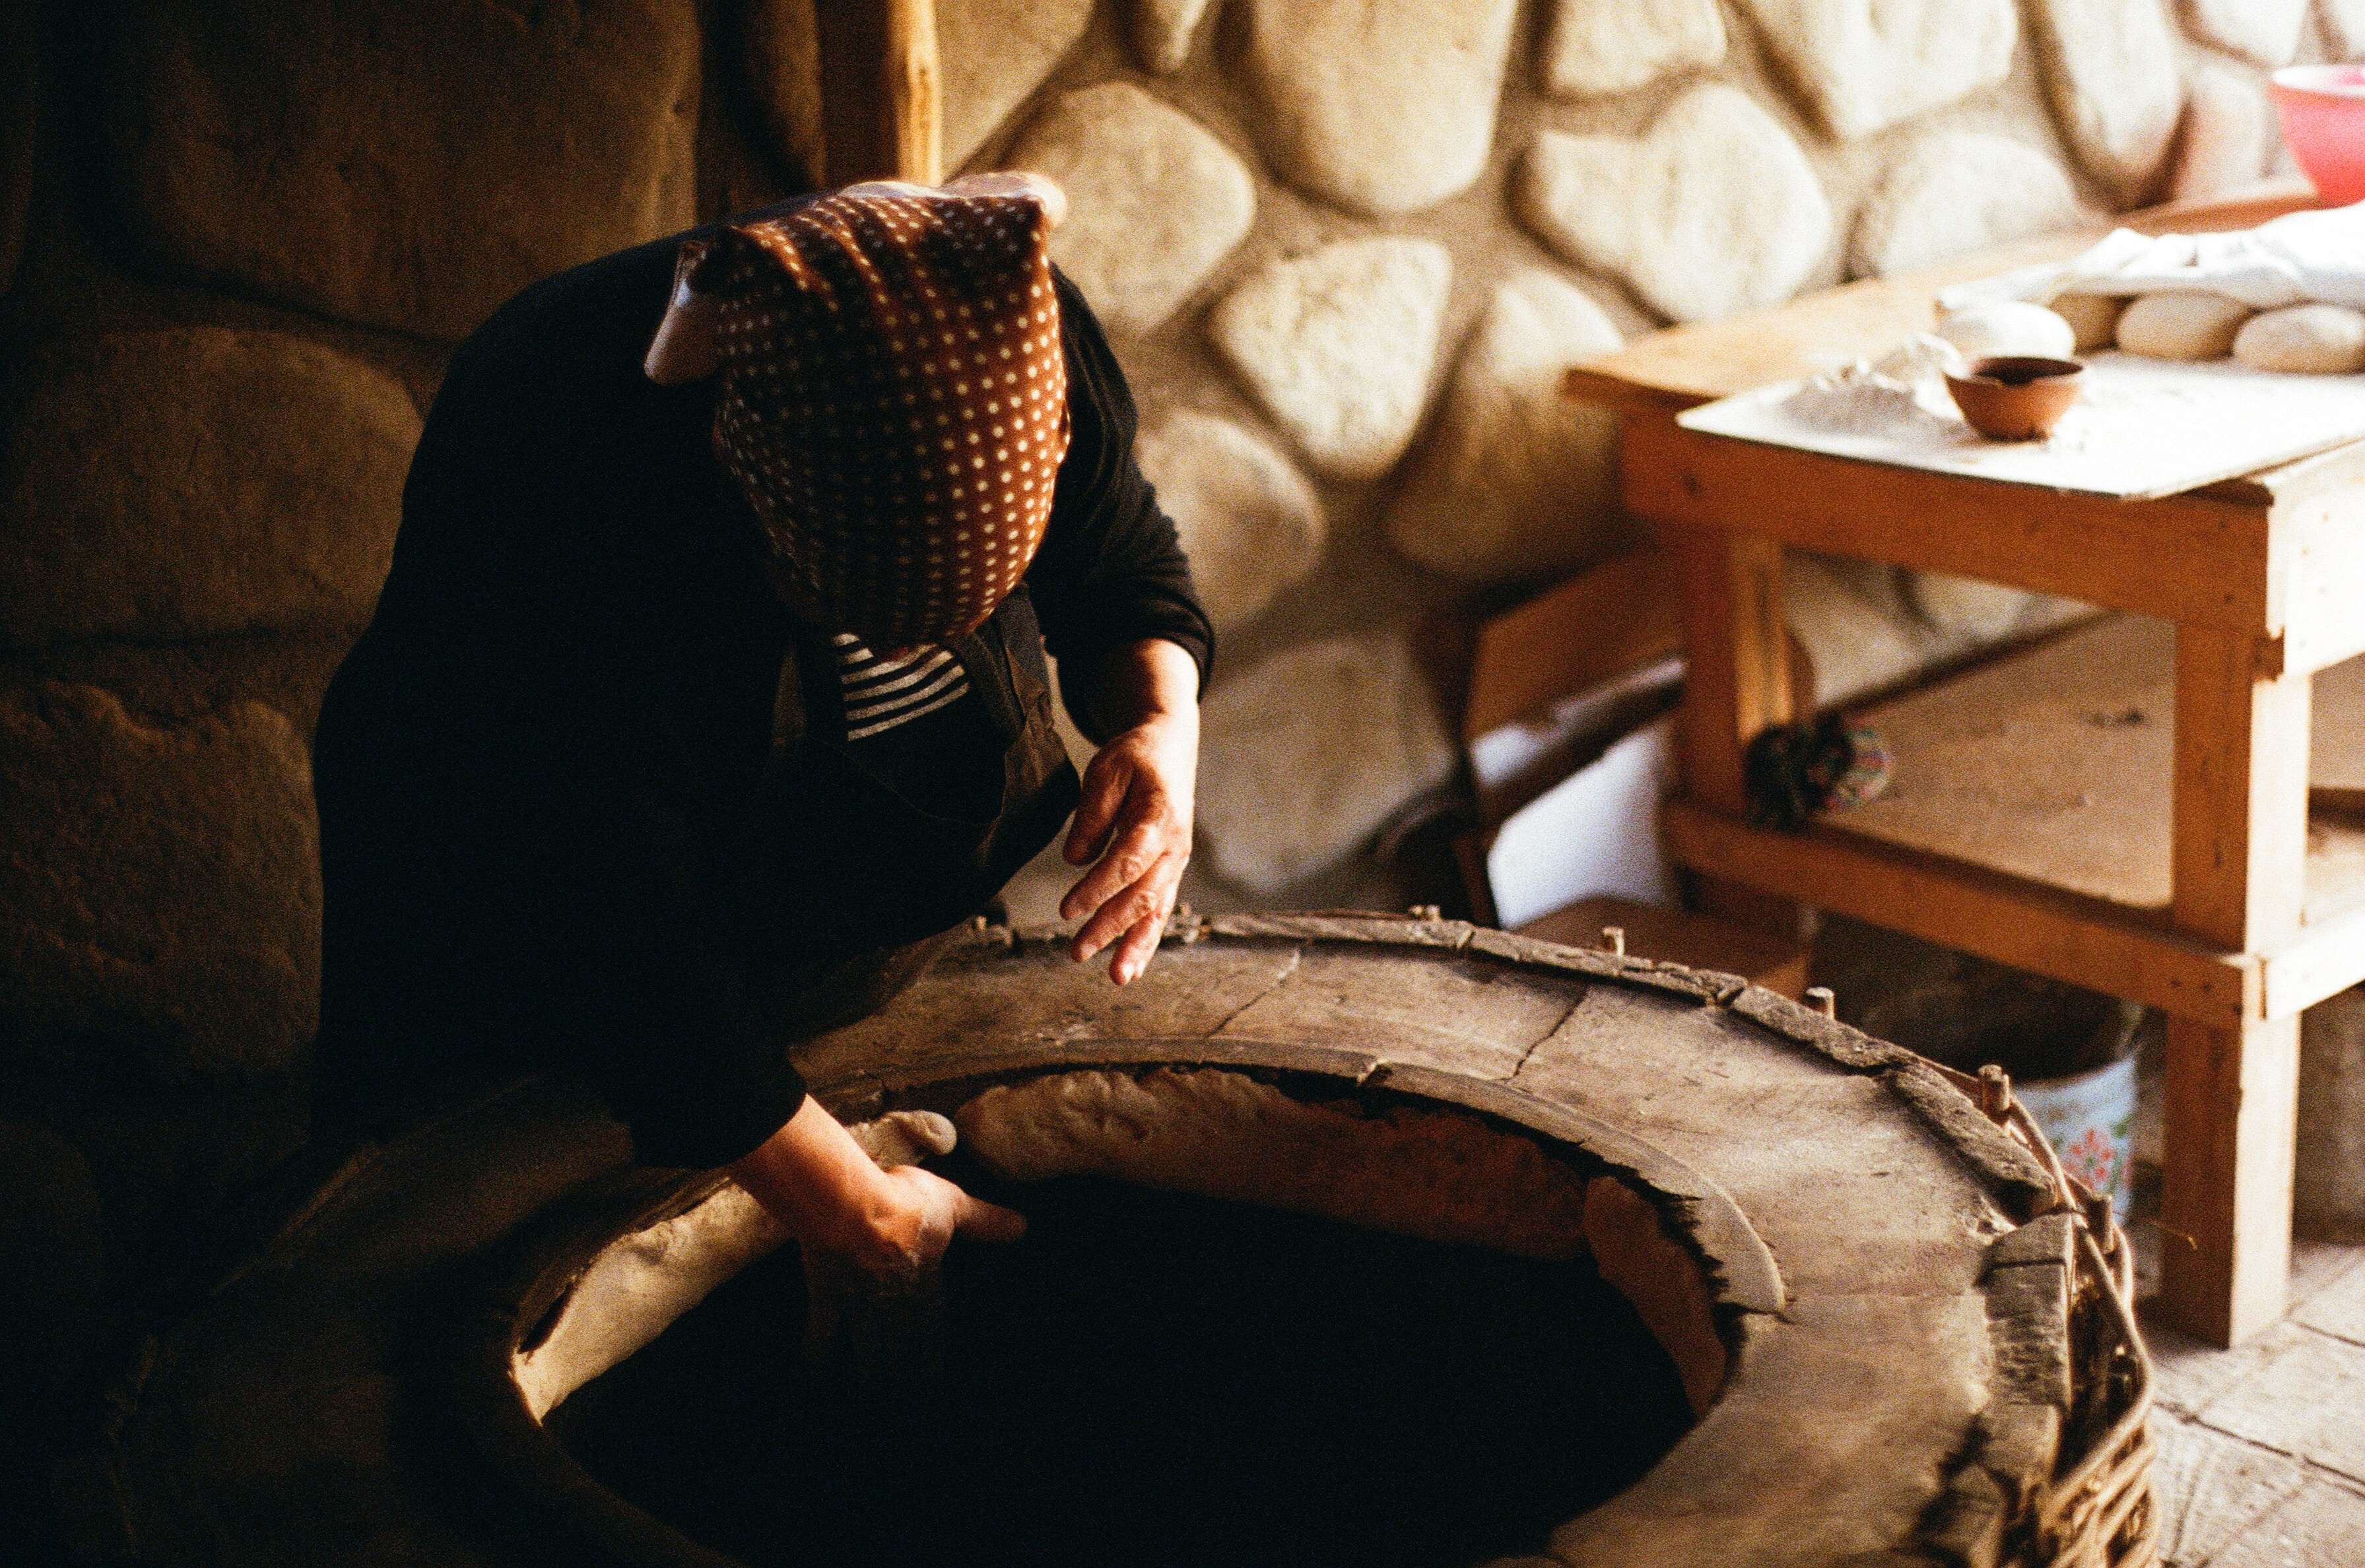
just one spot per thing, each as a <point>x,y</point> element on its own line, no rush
<point>2302,258</point>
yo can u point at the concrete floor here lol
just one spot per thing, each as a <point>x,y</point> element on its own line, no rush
<point>2261,1459</point>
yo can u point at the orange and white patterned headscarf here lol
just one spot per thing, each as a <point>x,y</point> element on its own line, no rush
<point>894,399</point>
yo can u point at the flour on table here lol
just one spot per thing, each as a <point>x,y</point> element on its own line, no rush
<point>1906,388</point>
<point>2140,427</point>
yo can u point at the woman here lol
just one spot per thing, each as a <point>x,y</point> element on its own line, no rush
<point>707,693</point>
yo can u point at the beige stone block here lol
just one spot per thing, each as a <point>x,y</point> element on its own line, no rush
<point>1246,518</point>
<point>198,482</point>
<point>2264,32</point>
<point>2226,134</point>
<point>1863,65</point>
<point>1597,47</point>
<point>1162,31</point>
<point>1339,344</point>
<point>993,54</point>
<point>1514,480</point>
<point>1306,755</point>
<point>1858,631</point>
<point>1712,212</point>
<point>1966,606</point>
<point>2110,73</point>
<point>2342,23</point>
<point>160,891</point>
<point>1383,110</point>
<point>173,683</point>
<point>1155,200</point>
<point>1968,1522</point>
<point>408,167</point>
<point>1952,193</point>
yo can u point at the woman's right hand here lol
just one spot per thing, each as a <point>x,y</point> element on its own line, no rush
<point>904,1226</point>
<point>870,1235</point>
<point>890,1225</point>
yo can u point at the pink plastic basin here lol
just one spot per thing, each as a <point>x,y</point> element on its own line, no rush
<point>2323,110</point>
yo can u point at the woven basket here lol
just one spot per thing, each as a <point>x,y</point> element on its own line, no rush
<point>2097,1511</point>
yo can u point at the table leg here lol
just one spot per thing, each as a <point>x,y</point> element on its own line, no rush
<point>1737,656</point>
<point>2240,877</point>
<point>2232,1106</point>
<point>1737,681</point>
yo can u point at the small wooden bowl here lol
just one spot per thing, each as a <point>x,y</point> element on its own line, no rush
<point>2017,397</point>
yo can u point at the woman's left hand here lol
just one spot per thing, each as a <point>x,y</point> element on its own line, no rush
<point>1134,820</point>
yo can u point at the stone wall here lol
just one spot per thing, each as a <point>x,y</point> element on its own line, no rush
<point>237,242</point>
<point>1343,250</point>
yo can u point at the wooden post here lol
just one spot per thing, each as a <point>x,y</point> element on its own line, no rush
<point>2241,793</point>
<point>2239,880</point>
<point>2232,1110</point>
<point>1737,681</point>
<point>914,95</point>
<point>1737,655</point>
<point>882,107</point>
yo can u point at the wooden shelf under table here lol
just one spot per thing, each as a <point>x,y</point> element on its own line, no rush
<point>2029,820</point>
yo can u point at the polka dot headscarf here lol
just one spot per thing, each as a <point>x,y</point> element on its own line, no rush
<point>893,401</point>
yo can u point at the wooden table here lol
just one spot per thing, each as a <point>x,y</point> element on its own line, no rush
<point>2264,579</point>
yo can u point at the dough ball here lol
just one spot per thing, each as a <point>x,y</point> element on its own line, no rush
<point>2094,318</point>
<point>2312,340</point>
<point>2181,325</point>
<point>2012,327</point>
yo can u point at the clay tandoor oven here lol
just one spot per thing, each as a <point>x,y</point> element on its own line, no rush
<point>1355,1239</point>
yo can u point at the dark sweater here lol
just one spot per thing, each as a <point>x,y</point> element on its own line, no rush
<point>535,766</point>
